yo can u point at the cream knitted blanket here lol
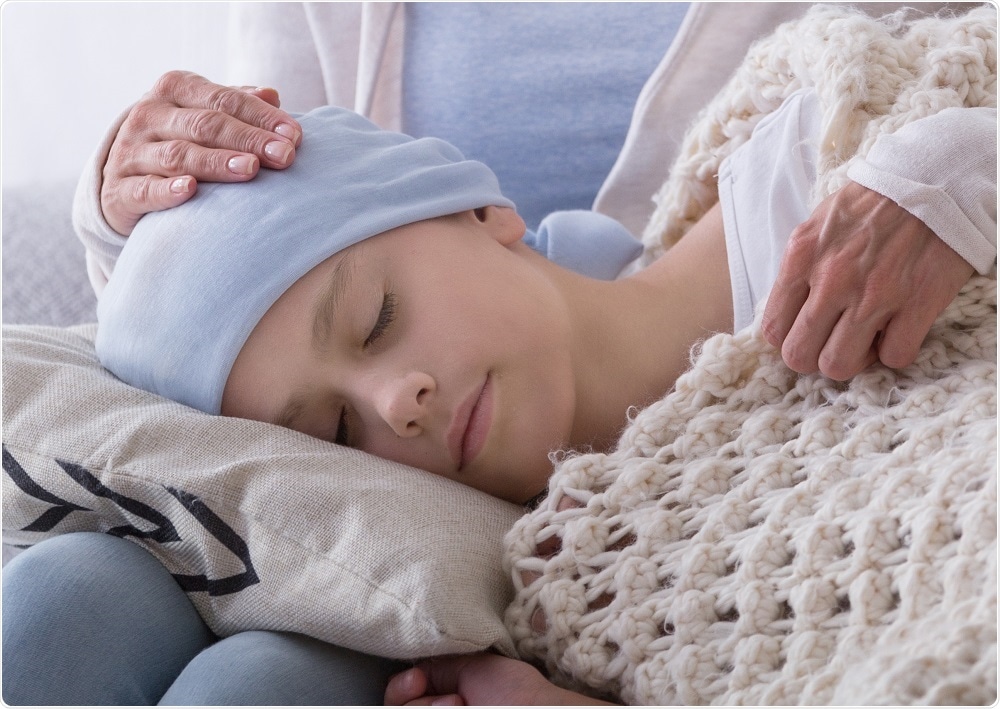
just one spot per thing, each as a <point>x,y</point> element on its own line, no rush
<point>760,537</point>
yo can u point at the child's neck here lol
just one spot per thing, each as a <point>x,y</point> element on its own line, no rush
<point>632,338</point>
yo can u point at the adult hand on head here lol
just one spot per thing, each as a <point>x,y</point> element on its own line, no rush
<point>482,679</point>
<point>188,129</point>
<point>862,280</point>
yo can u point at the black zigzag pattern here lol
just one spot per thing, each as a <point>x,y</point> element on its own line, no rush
<point>163,530</point>
<point>51,517</point>
<point>228,537</point>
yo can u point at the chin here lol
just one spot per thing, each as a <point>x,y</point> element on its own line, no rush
<point>501,475</point>
<point>541,423</point>
<point>526,478</point>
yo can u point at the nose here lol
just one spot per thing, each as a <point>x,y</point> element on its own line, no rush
<point>402,402</point>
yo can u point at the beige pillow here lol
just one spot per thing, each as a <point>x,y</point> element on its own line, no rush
<point>264,527</point>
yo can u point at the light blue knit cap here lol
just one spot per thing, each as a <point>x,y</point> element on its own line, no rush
<point>192,282</point>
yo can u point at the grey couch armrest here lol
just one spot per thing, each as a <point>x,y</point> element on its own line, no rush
<point>44,269</point>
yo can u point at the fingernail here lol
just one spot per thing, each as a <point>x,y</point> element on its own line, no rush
<point>278,150</point>
<point>182,185</point>
<point>288,131</point>
<point>410,677</point>
<point>242,164</point>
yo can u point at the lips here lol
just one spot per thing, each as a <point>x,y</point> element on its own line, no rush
<point>470,428</point>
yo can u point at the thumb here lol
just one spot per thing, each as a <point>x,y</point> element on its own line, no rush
<point>405,687</point>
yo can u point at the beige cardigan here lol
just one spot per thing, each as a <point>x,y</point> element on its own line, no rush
<point>350,54</point>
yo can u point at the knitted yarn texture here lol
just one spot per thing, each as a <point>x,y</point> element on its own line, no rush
<point>761,537</point>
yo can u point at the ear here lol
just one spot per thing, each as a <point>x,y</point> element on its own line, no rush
<point>502,223</point>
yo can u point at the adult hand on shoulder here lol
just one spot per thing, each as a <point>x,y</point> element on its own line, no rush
<point>862,280</point>
<point>188,129</point>
<point>483,679</point>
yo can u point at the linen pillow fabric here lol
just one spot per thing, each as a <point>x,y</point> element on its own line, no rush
<point>265,528</point>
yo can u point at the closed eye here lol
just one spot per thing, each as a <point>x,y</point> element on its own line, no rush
<point>342,438</point>
<point>385,318</point>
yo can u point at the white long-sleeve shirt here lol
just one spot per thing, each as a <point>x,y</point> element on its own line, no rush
<point>944,173</point>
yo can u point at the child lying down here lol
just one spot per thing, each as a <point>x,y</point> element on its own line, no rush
<point>382,293</point>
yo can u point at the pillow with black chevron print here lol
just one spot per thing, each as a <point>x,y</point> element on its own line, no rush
<point>265,528</point>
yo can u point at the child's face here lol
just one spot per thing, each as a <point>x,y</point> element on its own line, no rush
<point>440,344</point>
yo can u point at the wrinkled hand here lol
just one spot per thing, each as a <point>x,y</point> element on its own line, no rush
<point>188,129</point>
<point>482,679</point>
<point>862,280</point>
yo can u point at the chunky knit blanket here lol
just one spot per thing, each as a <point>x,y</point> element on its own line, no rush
<point>760,537</point>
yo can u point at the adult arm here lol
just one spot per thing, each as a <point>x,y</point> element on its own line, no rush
<point>345,54</point>
<point>184,130</point>
<point>479,680</point>
<point>864,278</point>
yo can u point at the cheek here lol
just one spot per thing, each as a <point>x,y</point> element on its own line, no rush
<point>515,302</point>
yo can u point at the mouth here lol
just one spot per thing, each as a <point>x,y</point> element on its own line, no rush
<point>471,426</point>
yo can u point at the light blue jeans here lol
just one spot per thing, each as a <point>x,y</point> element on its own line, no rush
<point>90,619</point>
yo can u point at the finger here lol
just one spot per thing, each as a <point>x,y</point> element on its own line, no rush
<point>904,334</point>
<point>840,371</point>
<point>180,157</point>
<point>809,333</point>
<point>850,348</point>
<point>548,547</point>
<point>937,286</point>
<point>152,123</point>
<point>289,129</point>
<point>445,673</point>
<point>787,297</point>
<point>213,129</point>
<point>567,503</point>
<point>405,687</point>
<point>264,93</point>
<point>791,287</point>
<point>127,200</point>
<point>872,356</point>
<point>538,621</point>
<point>189,90</point>
<point>529,577</point>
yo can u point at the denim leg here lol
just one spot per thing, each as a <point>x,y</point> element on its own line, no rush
<point>280,669</point>
<point>90,619</point>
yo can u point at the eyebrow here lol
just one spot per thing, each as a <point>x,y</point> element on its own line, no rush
<point>293,409</point>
